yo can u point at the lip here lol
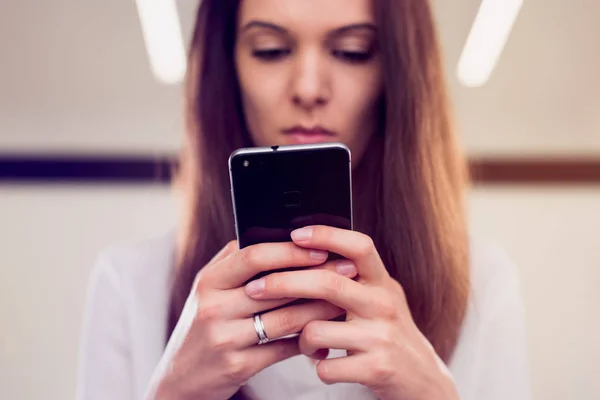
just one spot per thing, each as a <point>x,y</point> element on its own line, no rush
<point>303,135</point>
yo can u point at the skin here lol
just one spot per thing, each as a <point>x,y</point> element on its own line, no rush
<point>212,351</point>
<point>309,63</point>
<point>318,72</point>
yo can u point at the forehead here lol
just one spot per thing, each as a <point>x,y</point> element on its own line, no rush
<point>302,15</point>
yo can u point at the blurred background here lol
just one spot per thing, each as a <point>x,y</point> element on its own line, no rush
<point>77,86</point>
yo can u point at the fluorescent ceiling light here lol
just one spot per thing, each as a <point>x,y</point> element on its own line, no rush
<point>164,42</point>
<point>486,41</point>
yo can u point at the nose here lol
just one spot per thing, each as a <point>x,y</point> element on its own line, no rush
<point>310,82</point>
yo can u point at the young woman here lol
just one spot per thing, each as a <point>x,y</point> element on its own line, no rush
<point>425,312</point>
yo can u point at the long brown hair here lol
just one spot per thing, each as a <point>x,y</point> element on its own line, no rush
<point>412,203</point>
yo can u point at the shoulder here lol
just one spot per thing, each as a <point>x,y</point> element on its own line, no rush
<point>490,358</point>
<point>140,259</point>
<point>129,273</point>
<point>123,332</point>
<point>493,273</point>
<point>129,292</point>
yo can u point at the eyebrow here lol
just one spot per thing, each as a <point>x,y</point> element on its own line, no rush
<point>354,27</point>
<point>263,24</point>
<point>337,31</point>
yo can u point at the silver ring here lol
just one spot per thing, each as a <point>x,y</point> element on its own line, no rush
<point>259,327</point>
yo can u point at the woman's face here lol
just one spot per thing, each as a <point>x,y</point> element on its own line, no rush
<point>309,71</point>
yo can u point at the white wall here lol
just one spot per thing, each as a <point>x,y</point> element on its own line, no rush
<point>553,236</point>
<point>75,76</point>
<point>50,236</point>
<point>544,94</point>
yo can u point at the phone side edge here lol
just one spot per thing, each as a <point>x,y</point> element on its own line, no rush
<point>235,217</point>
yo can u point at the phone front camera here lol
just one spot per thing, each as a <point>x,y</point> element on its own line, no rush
<point>246,163</point>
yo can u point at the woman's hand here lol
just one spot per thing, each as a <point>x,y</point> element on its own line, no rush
<point>212,351</point>
<point>387,352</point>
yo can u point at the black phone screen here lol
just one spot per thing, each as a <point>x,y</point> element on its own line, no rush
<point>278,190</point>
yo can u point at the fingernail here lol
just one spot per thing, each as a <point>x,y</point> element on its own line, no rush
<point>318,255</point>
<point>346,268</point>
<point>255,287</point>
<point>302,234</point>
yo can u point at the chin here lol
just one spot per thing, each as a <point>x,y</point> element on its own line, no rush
<point>298,139</point>
<point>308,139</point>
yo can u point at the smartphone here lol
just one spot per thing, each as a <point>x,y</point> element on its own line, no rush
<point>281,188</point>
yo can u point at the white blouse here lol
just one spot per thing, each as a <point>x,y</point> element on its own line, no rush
<point>124,333</point>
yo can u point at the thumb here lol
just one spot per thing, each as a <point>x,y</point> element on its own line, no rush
<point>228,249</point>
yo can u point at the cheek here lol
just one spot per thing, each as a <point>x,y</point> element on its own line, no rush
<point>359,94</point>
<point>358,101</point>
<point>261,96</point>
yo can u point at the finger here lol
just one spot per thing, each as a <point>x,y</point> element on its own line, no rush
<point>235,304</point>
<point>319,335</point>
<point>350,369</point>
<point>236,270</point>
<point>228,249</point>
<point>343,267</point>
<point>260,357</point>
<point>352,245</point>
<point>284,321</point>
<point>314,284</point>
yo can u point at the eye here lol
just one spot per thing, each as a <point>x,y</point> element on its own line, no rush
<point>353,56</point>
<point>271,54</point>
